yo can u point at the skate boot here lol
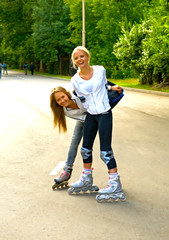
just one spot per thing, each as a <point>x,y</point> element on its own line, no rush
<point>84,184</point>
<point>62,180</point>
<point>112,192</point>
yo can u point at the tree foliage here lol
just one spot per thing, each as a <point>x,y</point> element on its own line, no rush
<point>51,18</point>
<point>124,36</point>
<point>15,20</point>
<point>145,48</point>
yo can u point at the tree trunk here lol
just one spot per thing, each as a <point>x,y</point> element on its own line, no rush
<point>41,66</point>
<point>60,65</point>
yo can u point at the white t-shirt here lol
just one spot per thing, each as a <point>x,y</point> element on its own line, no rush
<point>93,90</point>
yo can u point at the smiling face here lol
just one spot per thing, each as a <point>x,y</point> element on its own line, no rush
<point>81,59</point>
<point>62,99</point>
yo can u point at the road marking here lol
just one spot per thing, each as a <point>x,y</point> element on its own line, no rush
<point>57,168</point>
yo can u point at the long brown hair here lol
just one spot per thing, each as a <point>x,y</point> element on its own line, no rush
<point>59,118</point>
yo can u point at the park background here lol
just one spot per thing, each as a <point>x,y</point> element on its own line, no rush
<point>129,38</point>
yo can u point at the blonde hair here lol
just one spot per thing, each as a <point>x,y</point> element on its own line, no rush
<point>59,118</point>
<point>75,50</point>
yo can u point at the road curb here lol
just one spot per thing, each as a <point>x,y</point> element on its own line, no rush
<point>147,91</point>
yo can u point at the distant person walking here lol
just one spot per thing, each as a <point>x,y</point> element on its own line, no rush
<point>5,68</point>
<point>32,67</point>
<point>25,66</point>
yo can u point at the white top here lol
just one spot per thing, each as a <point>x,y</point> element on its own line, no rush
<point>93,90</point>
<point>78,114</point>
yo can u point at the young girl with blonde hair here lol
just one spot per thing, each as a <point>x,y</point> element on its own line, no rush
<point>90,84</point>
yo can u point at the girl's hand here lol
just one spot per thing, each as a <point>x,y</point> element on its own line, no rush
<point>116,88</point>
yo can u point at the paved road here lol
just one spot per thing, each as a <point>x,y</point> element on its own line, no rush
<point>30,148</point>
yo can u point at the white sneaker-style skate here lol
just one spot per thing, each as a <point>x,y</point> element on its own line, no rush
<point>112,192</point>
<point>84,184</point>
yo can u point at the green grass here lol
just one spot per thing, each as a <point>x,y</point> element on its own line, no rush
<point>134,83</point>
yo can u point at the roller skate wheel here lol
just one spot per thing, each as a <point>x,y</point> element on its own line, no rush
<point>77,191</point>
<point>54,187</point>
<point>70,190</point>
<point>84,190</point>
<point>99,199</point>
<point>123,197</point>
<point>107,198</point>
<point>94,189</point>
<point>115,198</point>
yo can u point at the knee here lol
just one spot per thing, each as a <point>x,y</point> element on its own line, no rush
<point>86,155</point>
<point>106,156</point>
<point>108,159</point>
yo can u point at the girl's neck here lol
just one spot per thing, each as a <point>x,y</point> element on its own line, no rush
<point>72,105</point>
<point>86,73</point>
<point>85,70</point>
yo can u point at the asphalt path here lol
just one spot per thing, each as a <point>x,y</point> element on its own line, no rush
<point>30,148</point>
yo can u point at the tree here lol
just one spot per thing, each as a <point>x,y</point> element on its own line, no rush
<point>16,22</point>
<point>50,32</point>
<point>145,49</point>
<point>104,19</point>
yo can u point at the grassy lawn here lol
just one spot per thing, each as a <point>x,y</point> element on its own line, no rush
<point>134,83</point>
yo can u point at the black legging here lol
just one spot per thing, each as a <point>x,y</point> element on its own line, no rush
<point>103,124</point>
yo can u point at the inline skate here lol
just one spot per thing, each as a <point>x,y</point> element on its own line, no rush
<point>62,180</point>
<point>84,184</point>
<point>113,191</point>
